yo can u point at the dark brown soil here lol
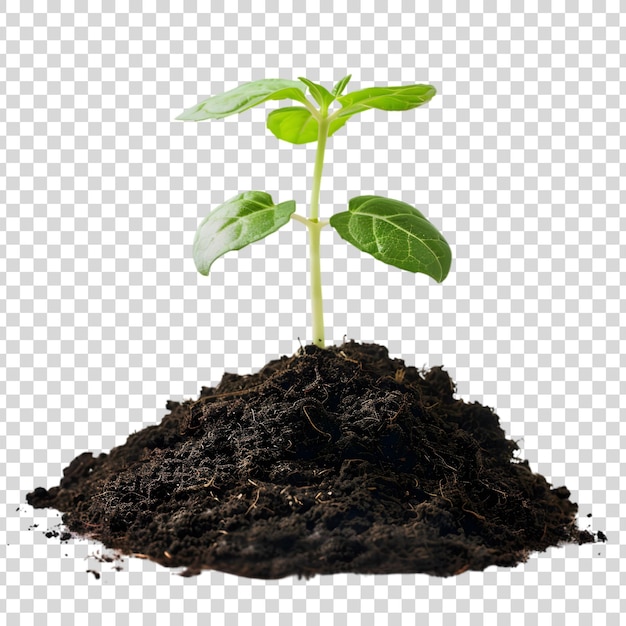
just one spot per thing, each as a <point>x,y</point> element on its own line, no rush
<point>337,460</point>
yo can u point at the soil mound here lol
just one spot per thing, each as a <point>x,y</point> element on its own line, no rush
<point>336,460</point>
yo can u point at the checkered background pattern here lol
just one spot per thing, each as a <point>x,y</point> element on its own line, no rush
<point>518,161</point>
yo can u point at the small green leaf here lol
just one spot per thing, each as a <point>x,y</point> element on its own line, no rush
<point>248,217</point>
<point>396,233</point>
<point>340,86</point>
<point>322,96</point>
<point>297,125</point>
<point>243,98</point>
<point>400,98</point>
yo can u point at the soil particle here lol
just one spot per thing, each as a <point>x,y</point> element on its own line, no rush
<point>336,460</point>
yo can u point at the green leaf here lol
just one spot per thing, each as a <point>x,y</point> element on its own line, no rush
<point>243,98</point>
<point>340,86</point>
<point>297,125</point>
<point>322,96</point>
<point>396,233</point>
<point>248,217</point>
<point>386,98</point>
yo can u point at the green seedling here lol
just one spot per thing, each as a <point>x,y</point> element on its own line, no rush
<point>392,231</point>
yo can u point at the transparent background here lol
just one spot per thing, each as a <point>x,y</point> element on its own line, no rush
<point>103,318</point>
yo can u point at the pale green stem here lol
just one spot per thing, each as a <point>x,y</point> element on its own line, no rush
<point>319,166</point>
<point>317,308</point>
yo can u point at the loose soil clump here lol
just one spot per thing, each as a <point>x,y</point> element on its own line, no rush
<point>336,460</point>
